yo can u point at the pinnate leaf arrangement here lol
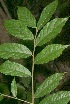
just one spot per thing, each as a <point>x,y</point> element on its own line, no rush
<point>45,31</point>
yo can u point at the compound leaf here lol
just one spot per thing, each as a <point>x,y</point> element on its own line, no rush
<point>50,30</point>
<point>48,85</point>
<point>49,53</point>
<point>26,17</point>
<point>47,14</point>
<point>18,29</point>
<point>14,69</point>
<point>61,97</point>
<point>14,88</point>
<point>14,50</point>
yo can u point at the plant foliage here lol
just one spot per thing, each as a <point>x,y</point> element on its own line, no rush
<point>14,69</point>
<point>14,50</point>
<point>14,88</point>
<point>47,31</point>
<point>52,51</point>
<point>49,10</point>
<point>48,85</point>
<point>18,29</point>
<point>61,97</point>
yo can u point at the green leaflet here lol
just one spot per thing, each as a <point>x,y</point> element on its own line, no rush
<point>47,14</point>
<point>14,88</point>
<point>14,69</point>
<point>18,29</point>
<point>14,50</point>
<point>49,53</point>
<point>61,97</point>
<point>50,30</point>
<point>25,15</point>
<point>48,85</point>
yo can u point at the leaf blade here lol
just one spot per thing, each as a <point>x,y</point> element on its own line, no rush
<point>48,85</point>
<point>49,53</point>
<point>25,15</point>
<point>14,69</point>
<point>49,10</point>
<point>14,50</point>
<point>50,30</point>
<point>14,88</point>
<point>61,97</point>
<point>18,29</point>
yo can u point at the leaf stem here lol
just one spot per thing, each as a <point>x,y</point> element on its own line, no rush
<point>14,98</point>
<point>33,67</point>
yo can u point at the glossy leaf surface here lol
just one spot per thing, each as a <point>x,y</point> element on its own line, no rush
<point>14,69</point>
<point>14,50</point>
<point>14,88</point>
<point>26,17</point>
<point>49,53</point>
<point>47,14</point>
<point>62,97</point>
<point>48,85</point>
<point>50,30</point>
<point>18,29</point>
